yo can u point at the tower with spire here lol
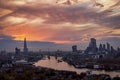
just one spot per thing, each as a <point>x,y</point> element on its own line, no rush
<point>25,49</point>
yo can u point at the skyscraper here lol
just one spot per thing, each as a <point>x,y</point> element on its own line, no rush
<point>17,51</point>
<point>100,47</point>
<point>108,47</point>
<point>104,47</point>
<point>92,43</point>
<point>92,48</point>
<point>74,48</point>
<point>25,50</point>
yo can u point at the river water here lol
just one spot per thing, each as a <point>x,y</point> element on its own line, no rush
<point>53,63</point>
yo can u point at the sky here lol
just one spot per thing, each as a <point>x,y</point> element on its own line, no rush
<point>58,24</point>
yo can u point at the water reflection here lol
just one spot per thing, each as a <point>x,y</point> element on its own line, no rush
<point>53,63</point>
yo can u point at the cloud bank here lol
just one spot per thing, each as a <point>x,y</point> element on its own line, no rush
<point>46,20</point>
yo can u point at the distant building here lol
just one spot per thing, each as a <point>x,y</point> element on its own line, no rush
<point>112,50</point>
<point>58,52</point>
<point>74,48</point>
<point>17,51</point>
<point>104,47</point>
<point>118,49</point>
<point>103,51</point>
<point>92,48</point>
<point>3,52</point>
<point>100,47</point>
<point>25,50</point>
<point>108,47</point>
<point>118,52</point>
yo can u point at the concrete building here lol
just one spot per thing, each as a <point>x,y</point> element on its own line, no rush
<point>74,48</point>
<point>17,51</point>
<point>92,48</point>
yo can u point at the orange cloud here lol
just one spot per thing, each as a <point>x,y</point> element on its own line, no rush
<point>60,24</point>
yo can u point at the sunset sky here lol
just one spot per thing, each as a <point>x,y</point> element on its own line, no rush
<point>58,23</point>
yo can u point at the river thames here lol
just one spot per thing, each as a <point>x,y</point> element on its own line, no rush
<point>54,64</point>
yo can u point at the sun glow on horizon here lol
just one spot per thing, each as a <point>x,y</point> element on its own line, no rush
<point>41,20</point>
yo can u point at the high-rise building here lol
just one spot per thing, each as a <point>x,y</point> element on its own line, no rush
<point>25,50</point>
<point>100,47</point>
<point>108,47</point>
<point>17,51</point>
<point>92,43</point>
<point>118,49</point>
<point>104,47</point>
<point>92,48</point>
<point>112,50</point>
<point>74,48</point>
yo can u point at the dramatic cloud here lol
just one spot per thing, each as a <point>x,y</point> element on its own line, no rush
<point>5,37</point>
<point>55,21</point>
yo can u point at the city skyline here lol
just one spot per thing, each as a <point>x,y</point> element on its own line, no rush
<point>58,25</point>
<point>28,46</point>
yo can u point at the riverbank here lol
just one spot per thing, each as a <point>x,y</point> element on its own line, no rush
<point>79,61</point>
<point>54,64</point>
